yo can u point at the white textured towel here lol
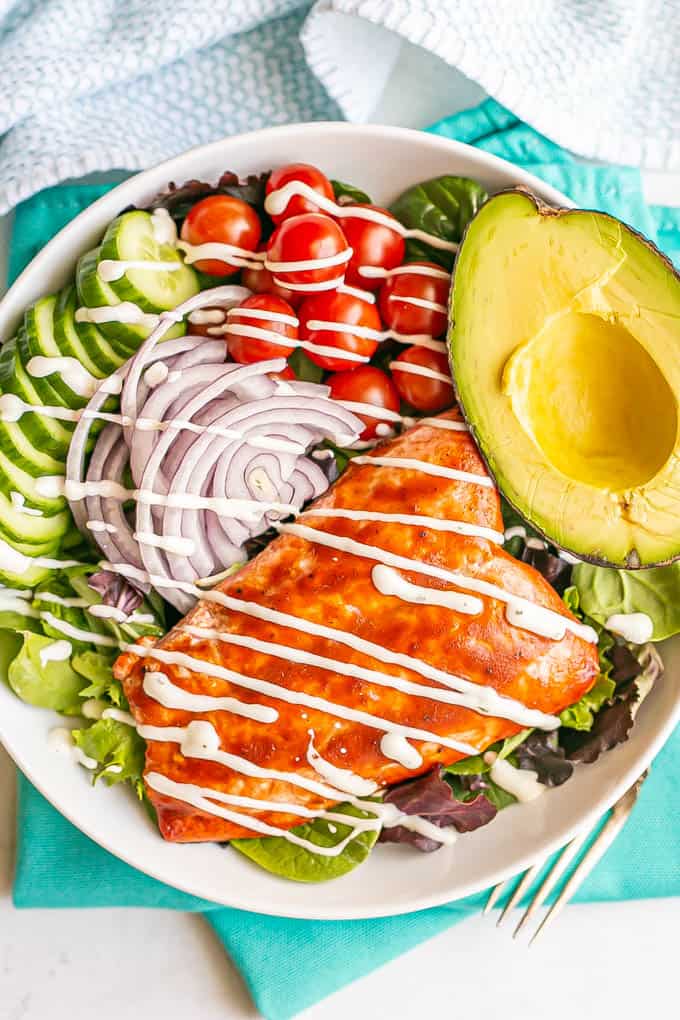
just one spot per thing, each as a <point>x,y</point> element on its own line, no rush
<point>95,84</point>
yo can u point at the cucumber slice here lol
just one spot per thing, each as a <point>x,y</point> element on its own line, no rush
<point>82,340</point>
<point>48,434</point>
<point>37,338</point>
<point>18,527</point>
<point>26,453</point>
<point>131,236</point>
<point>125,338</point>
<point>29,579</point>
<point>15,479</point>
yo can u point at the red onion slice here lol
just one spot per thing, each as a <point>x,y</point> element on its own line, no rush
<point>217,452</point>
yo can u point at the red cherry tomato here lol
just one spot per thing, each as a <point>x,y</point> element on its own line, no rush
<point>343,311</point>
<point>285,373</point>
<point>423,391</point>
<point>372,244</point>
<point>260,281</point>
<point>366,385</point>
<point>256,314</point>
<point>415,301</point>
<point>298,204</point>
<point>306,239</point>
<point>225,220</point>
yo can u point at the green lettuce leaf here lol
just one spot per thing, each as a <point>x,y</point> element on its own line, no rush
<point>96,668</point>
<point>347,194</point>
<point>304,367</point>
<point>442,206</point>
<point>50,684</point>
<point>604,591</point>
<point>118,750</point>
<point>278,855</point>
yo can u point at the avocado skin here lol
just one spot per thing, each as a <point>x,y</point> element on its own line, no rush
<point>592,544</point>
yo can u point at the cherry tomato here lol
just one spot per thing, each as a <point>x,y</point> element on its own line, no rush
<point>425,392</point>
<point>285,373</point>
<point>260,281</point>
<point>298,204</point>
<point>372,244</point>
<point>366,385</point>
<point>407,300</point>
<point>306,239</point>
<point>341,310</point>
<point>225,220</point>
<point>260,312</point>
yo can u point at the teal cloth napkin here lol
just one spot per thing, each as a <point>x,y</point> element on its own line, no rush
<point>289,965</point>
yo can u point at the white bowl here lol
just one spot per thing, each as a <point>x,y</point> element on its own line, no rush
<point>383,161</point>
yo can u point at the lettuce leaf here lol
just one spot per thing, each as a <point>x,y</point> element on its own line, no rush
<point>45,684</point>
<point>281,857</point>
<point>604,591</point>
<point>347,194</point>
<point>442,206</point>
<point>431,797</point>
<point>118,750</point>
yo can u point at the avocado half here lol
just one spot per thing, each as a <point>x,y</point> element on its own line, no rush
<point>565,353</point>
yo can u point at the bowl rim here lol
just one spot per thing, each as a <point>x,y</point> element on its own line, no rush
<point>69,243</point>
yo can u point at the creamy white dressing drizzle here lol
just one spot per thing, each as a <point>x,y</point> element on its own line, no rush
<point>389,582</point>
<point>75,375</point>
<point>380,273</point>
<point>12,408</point>
<point>311,288</point>
<point>126,312</point>
<point>156,374</point>
<point>208,316</point>
<point>494,702</point>
<point>519,611</point>
<point>77,633</point>
<point>18,501</point>
<point>222,505</point>
<point>176,544</point>
<point>428,373</point>
<point>292,697</point>
<point>341,779</point>
<point>412,464</point>
<point>271,336</point>
<point>59,739</point>
<point>357,292</point>
<point>242,258</point>
<point>414,520</point>
<point>307,265</point>
<point>445,423</point>
<point>74,602</point>
<point>14,600</point>
<point>14,562</point>
<point>101,526</point>
<point>58,651</point>
<point>276,202</point>
<point>398,749</point>
<point>262,313</point>
<point>468,694</point>
<point>163,227</point>
<point>109,270</point>
<point>521,783</point>
<point>637,628</point>
<point>433,306</point>
<point>160,688</point>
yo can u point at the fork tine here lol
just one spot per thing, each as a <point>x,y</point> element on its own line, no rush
<point>526,881</point>
<point>551,879</point>
<point>494,897</point>
<point>609,832</point>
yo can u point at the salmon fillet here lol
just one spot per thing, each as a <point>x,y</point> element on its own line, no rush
<point>330,587</point>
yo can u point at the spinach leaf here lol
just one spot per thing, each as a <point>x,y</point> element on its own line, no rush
<point>48,684</point>
<point>442,206</point>
<point>304,368</point>
<point>278,855</point>
<point>604,591</point>
<point>347,194</point>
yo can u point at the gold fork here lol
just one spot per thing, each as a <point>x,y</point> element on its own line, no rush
<point>610,830</point>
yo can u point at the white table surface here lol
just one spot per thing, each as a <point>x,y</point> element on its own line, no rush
<point>614,960</point>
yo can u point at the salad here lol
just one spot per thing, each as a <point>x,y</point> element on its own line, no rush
<point>241,409</point>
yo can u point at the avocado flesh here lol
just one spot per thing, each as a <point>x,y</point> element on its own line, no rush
<point>565,350</point>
